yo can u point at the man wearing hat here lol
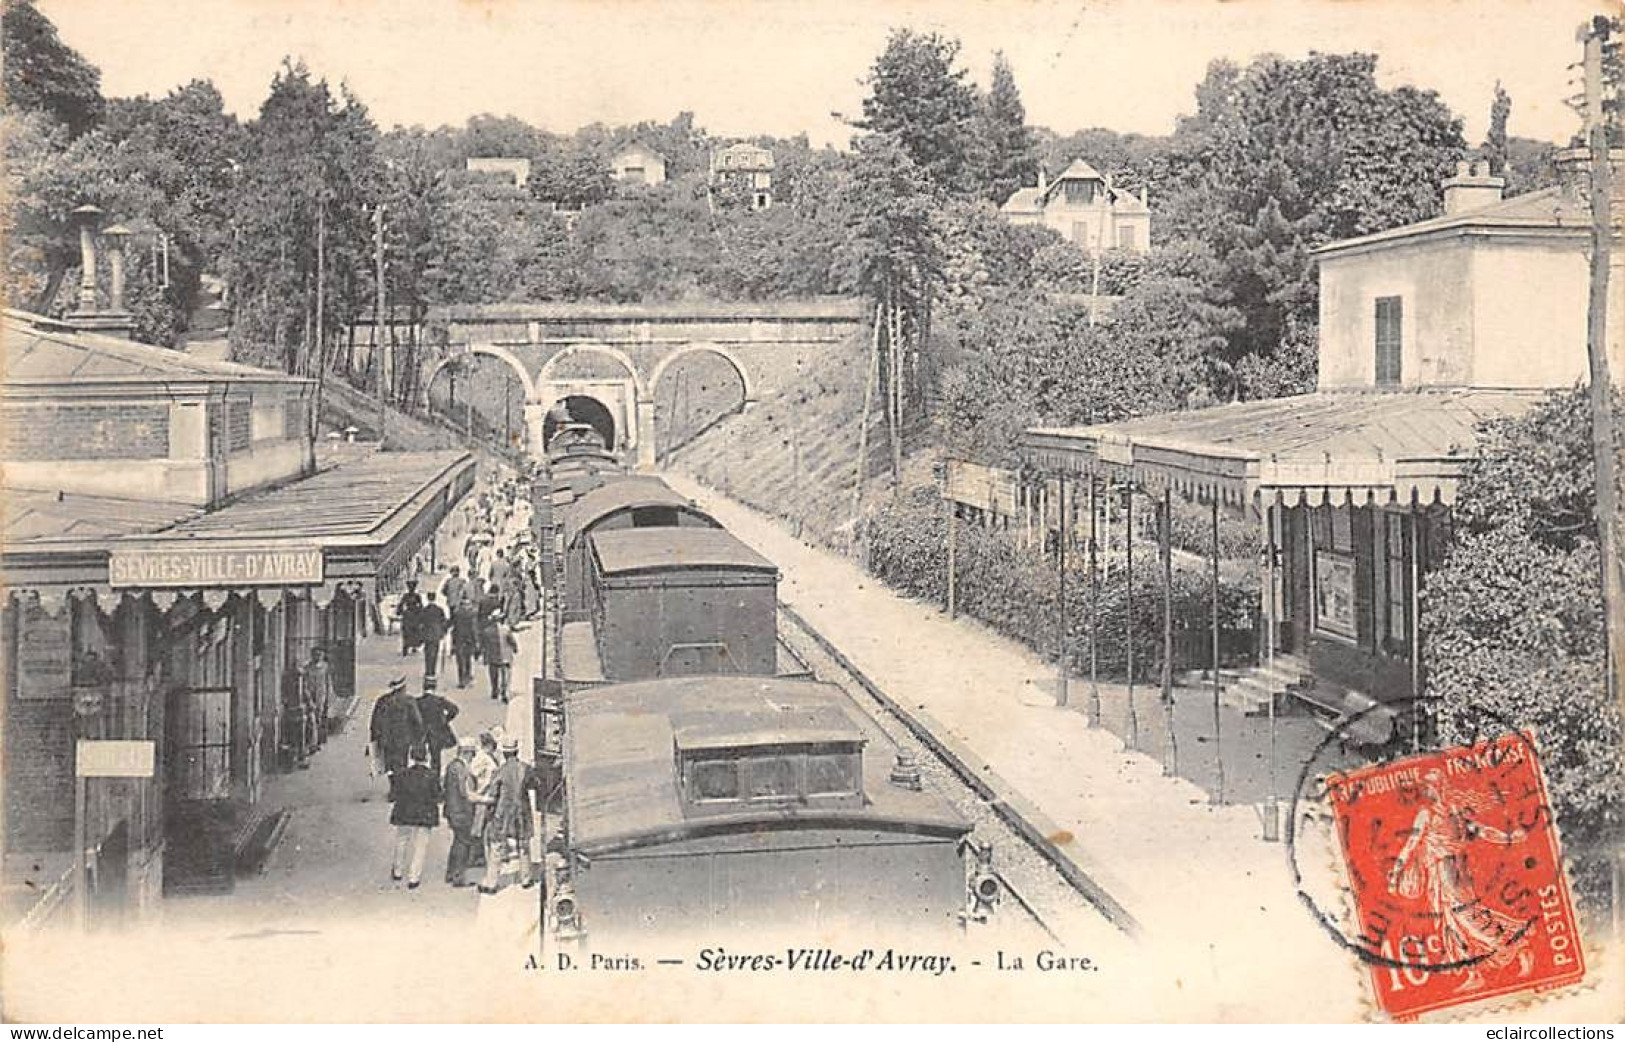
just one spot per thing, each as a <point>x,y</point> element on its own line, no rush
<point>395,728</point>
<point>508,826</point>
<point>461,795</point>
<point>500,645</point>
<point>437,714</point>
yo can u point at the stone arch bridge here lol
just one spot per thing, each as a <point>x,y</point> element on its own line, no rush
<point>620,355</point>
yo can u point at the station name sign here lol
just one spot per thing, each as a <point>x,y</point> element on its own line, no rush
<point>204,567</point>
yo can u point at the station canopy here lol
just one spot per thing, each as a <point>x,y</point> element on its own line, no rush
<point>357,523</point>
<point>1359,446</point>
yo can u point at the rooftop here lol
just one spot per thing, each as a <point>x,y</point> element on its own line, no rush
<point>1548,210</point>
<point>1379,444</point>
<point>631,492</point>
<point>38,517</point>
<point>42,351</point>
<point>630,550</point>
<point>623,782</point>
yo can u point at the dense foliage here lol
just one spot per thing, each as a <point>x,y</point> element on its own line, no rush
<point>1016,592</point>
<point>1513,619</point>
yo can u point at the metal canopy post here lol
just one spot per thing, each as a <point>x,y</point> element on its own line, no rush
<point>1128,615</point>
<point>1272,817</point>
<point>1094,607</point>
<point>1218,736</point>
<point>1061,693</point>
<point>1165,546</point>
<point>1415,605</point>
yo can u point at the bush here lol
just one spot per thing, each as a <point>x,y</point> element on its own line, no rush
<point>1016,592</point>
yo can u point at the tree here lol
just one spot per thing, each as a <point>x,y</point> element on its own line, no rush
<point>1288,155</point>
<point>1495,141</point>
<point>43,74</point>
<point>1512,621</point>
<point>1007,150</point>
<point>302,246</point>
<point>922,101</point>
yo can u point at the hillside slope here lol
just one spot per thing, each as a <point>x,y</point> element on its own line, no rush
<point>794,454</point>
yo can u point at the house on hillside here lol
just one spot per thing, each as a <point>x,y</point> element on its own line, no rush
<point>516,169</point>
<point>1425,330</point>
<point>746,168</point>
<point>1086,209</point>
<point>638,164</point>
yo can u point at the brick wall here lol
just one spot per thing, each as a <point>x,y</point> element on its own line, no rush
<point>114,431</point>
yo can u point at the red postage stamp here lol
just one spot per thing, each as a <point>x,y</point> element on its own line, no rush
<point>1457,878</point>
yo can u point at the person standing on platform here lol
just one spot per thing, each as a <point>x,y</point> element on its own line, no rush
<point>460,795</point>
<point>415,814</point>
<point>500,645</point>
<point>432,627</point>
<point>396,726</point>
<point>454,589</point>
<point>508,826</point>
<point>437,714</point>
<point>465,639</point>
<point>411,604</point>
<point>319,690</point>
<point>501,577</point>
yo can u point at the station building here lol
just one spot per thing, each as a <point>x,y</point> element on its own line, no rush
<point>1425,331</point>
<point>174,547</point>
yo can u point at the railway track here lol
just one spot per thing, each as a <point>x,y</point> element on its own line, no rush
<point>1042,886</point>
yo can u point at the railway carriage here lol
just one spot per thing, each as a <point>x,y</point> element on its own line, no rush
<point>737,806</point>
<point>629,501</point>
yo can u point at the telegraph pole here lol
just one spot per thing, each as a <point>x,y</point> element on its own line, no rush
<point>1595,35</point>
<point>380,351</point>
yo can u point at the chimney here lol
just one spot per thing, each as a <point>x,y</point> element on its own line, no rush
<point>1472,188</point>
<point>1043,178</point>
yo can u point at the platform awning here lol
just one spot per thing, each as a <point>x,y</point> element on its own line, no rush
<point>356,524</point>
<point>1362,447</point>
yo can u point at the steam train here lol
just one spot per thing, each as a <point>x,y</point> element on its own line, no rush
<point>709,783</point>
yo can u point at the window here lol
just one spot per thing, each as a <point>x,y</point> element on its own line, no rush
<point>773,778</point>
<point>715,779</point>
<point>633,174</point>
<point>1398,624</point>
<point>1389,325</point>
<point>1079,193</point>
<point>1125,238</point>
<point>831,773</point>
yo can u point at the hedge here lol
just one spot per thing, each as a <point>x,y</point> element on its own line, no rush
<point>1016,592</point>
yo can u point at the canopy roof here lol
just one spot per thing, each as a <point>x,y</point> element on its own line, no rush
<point>38,518</point>
<point>1330,446</point>
<point>623,786</point>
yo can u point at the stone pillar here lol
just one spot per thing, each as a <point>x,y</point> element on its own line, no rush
<point>536,427</point>
<point>645,445</point>
<point>87,216</point>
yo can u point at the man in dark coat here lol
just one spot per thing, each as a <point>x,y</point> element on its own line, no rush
<point>460,796</point>
<point>416,812</point>
<point>454,589</point>
<point>432,626</point>
<point>395,728</point>
<point>465,639</point>
<point>437,714</point>
<point>508,827</point>
<point>411,605</point>
<point>499,646</point>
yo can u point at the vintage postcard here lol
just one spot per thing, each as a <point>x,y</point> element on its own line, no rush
<point>732,510</point>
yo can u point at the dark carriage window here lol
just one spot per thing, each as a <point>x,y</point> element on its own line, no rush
<point>1390,320</point>
<point>715,779</point>
<point>773,778</point>
<point>831,773</point>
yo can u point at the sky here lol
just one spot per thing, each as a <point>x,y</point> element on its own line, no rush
<point>784,67</point>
